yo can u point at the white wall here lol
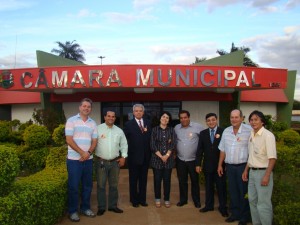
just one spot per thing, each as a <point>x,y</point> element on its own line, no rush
<point>72,108</point>
<point>23,112</point>
<point>265,108</point>
<point>198,110</point>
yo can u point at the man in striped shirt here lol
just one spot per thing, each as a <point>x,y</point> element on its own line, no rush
<point>81,137</point>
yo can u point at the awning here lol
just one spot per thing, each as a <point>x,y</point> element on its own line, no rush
<point>19,97</point>
<point>268,95</point>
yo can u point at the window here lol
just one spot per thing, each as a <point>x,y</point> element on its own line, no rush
<point>152,110</point>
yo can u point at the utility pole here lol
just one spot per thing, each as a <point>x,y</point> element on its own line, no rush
<point>101,57</point>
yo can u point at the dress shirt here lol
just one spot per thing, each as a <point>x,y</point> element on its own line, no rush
<point>162,140</point>
<point>262,147</point>
<point>235,146</point>
<point>83,132</point>
<point>111,141</point>
<point>187,140</point>
<point>138,122</point>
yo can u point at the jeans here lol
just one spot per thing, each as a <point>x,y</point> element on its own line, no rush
<point>165,176</point>
<point>107,171</point>
<point>239,204</point>
<point>79,173</point>
<point>260,198</point>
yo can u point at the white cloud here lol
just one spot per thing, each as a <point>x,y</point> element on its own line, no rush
<point>279,51</point>
<point>23,60</point>
<point>10,5</point>
<point>144,3</point>
<point>292,4</point>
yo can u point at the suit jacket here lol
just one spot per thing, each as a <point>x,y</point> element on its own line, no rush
<point>207,151</point>
<point>138,142</point>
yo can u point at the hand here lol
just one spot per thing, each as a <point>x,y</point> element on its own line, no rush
<point>220,171</point>
<point>164,158</point>
<point>84,156</point>
<point>265,180</point>
<point>245,176</point>
<point>121,161</point>
<point>198,169</point>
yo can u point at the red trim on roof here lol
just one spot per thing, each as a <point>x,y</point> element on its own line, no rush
<point>19,97</point>
<point>269,95</point>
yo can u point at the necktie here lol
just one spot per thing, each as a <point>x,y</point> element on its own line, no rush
<point>141,126</point>
<point>212,135</point>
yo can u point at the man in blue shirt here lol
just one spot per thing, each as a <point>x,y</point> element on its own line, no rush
<point>187,133</point>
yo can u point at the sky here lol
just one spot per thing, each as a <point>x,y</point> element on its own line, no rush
<point>152,31</point>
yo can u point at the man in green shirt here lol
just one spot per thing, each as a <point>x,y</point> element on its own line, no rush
<point>111,152</point>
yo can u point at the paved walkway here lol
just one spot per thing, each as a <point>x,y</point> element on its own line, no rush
<point>186,215</point>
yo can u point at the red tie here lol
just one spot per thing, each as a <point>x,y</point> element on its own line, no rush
<point>141,126</point>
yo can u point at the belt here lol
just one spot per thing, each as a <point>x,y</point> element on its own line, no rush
<point>105,160</point>
<point>252,168</point>
<point>239,164</point>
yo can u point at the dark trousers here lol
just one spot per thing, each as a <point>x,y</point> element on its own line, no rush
<point>239,204</point>
<point>212,179</point>
<point>183,170</point>
<point>138,182</point>
<point>165,176</point>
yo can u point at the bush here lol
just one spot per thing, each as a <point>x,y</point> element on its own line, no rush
<point>57,157</point>
<point>36,136</point>
<point>4,131</point>
<point>289,137</point>
<point>9,168</point>
<point>287,214</point>
<point>35,159</point>
<point>59,136</point>
<point>39,199</point>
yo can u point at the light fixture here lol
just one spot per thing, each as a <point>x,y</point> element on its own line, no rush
<point>143,90</point>
<point>63,91</point>
<point>225,90</point>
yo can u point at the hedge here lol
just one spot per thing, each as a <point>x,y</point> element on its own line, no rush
<point>39,199</point>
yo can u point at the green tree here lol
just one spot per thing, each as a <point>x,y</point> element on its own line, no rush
<point>247,60</point>
<point>197,59</point>
<point>69,50</point>
<point>296,105</point>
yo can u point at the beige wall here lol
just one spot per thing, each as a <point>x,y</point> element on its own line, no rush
<point>265,108</point>
<point>198,110</point>
<point>23,112</point>
<point>72,108</point>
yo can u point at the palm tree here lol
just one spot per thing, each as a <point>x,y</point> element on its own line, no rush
<point>247,60</point>
<point>70,50</point>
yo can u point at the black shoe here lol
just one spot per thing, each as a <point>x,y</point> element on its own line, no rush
<point>100,212</point>
<point>224,214</point>
<point>197,205</point>
<point>204,210</point>
<point>116,210</point>
<point>135,205</point>
<point>144,204</point>
<point>230,220</point>
<point>242,223</point>
<point>179,204</point>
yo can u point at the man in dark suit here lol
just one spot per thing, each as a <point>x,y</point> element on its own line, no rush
<point>138,132</point>
<point>208,149</point>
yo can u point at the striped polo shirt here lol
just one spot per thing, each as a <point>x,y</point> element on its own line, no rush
<point>82,132</point>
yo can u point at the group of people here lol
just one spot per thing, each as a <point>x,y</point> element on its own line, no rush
<point>243,154</point>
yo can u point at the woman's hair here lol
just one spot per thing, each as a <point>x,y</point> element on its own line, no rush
<point>167,113</point>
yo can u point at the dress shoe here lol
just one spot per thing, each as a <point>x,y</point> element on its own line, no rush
<point>230,220</point>
<point>100,212</point>
<point>179,204</point>
<point>144,204</point>
<point>197,205</point>
<point>204,210</point>
<point>116,210</point>
<point>242,223</point>
<point>224,214</point>
<point>135,205</point>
